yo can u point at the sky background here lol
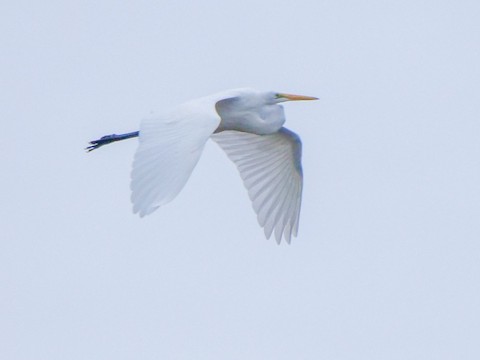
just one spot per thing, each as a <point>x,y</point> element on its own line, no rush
<point>387,261</point>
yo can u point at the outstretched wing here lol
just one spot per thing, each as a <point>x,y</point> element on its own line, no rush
<point>169,148</point>
<point>271,170</point>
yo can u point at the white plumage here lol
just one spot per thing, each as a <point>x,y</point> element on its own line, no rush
<point>247,124</point>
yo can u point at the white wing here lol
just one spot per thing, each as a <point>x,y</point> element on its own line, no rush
<point>270,166</point>
<point>169,149</point>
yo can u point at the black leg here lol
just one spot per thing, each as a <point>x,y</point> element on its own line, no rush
<point>107,139</point>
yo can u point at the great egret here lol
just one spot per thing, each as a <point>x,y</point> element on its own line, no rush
<point>247,124</point>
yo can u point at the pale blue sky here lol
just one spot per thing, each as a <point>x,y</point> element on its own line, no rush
<point>387,261</point>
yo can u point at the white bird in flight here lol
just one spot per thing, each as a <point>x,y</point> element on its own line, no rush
<point>248,126</point>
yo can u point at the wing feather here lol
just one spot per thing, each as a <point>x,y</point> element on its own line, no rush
<point>271,170</point>
<point>169,148</point>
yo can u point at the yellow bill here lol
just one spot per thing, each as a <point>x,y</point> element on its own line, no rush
<point>296,97</point>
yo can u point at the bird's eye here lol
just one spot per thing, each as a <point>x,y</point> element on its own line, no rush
<point>278,96</point>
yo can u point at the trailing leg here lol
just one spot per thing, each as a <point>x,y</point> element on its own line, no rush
<point>107,139</point>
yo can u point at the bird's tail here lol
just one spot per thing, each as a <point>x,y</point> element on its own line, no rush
<point>107,139</point>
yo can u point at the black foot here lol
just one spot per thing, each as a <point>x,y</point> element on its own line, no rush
<point>104,140</point>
